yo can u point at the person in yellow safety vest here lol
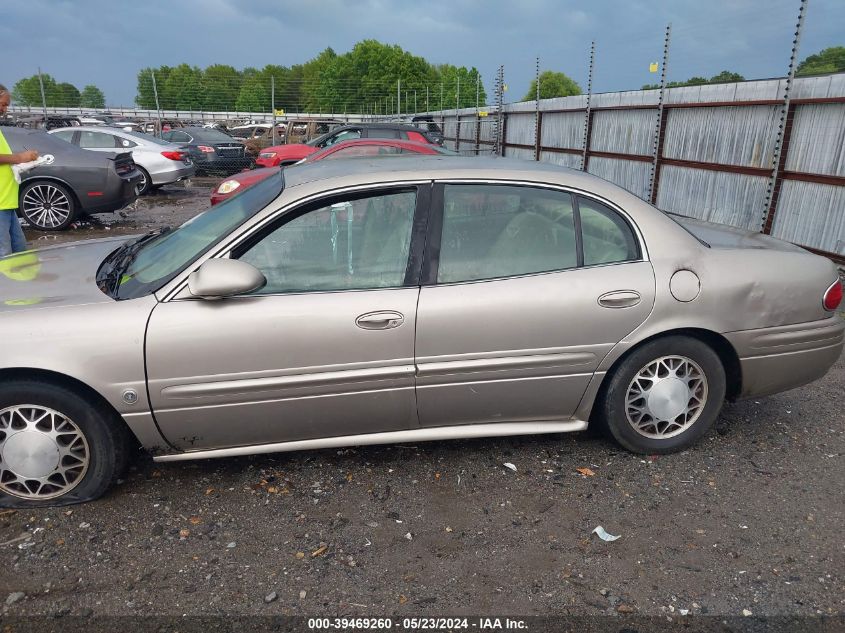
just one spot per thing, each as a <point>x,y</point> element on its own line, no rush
<point>12,239</point>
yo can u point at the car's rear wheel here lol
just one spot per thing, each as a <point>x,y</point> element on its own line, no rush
<point>47,206</point>
<point>664,396</point>
<point>146,183</point>
<point>55,447</point>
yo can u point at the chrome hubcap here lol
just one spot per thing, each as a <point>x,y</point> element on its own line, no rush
<point>666,397</point>
<point>43,454</point>
<point>141,186</point>
<point>46,206</point>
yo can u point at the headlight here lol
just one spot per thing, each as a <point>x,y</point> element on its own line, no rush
<point>228,186</point>
<point>267,155</point>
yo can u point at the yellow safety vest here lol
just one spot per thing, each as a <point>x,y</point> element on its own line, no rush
<point>8,184</point>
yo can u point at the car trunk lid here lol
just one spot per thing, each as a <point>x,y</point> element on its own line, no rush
<point>723,236</point>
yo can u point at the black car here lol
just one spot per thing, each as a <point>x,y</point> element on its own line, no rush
<point>211,150</point>
<point>426,122</point>
<point>78,182</point>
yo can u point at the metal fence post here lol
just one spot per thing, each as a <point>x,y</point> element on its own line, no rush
<point>657,145</point>
<point>588,114</point>
<point>787,114</point>
<point>537,114</point>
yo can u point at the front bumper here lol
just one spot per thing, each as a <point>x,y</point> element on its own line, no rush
<point>779,358</point>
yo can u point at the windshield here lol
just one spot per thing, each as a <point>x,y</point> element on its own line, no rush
<point>162,258</point>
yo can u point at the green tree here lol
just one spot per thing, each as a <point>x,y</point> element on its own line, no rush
<point>830,60</point>
<point>67,96</point>
<point>146,92</point>
<point>552,84</point>
<point>254,95</point>
<point>92,97</point>
<point>28,91</point>
<point>449,76</point>
<point>183,89</point>
<point>221,87</point>
<point>725,76</point>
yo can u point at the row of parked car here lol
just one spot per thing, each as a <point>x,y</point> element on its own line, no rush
<point>100,169</point>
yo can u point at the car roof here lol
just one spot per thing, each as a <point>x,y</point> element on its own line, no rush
<point>439,167</point>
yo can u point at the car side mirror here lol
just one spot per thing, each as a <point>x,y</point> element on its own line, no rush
<point>219,278</point>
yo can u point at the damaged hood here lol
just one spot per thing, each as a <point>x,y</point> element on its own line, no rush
<point>61,275</point>
<point>723,236</point>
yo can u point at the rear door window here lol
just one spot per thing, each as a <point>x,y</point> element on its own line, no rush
<point>97,140</point>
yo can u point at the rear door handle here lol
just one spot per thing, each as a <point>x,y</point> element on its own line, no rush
<point>620,299</point>
<point>382,320</point>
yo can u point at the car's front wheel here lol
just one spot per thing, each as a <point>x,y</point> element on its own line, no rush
<point>47,205</point>
<point>664,396</point>
<point>55,447</point>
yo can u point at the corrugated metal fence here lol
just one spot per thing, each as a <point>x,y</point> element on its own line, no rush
<point>715,150</point>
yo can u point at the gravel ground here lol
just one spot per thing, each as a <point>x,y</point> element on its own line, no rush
<point>750,520</point>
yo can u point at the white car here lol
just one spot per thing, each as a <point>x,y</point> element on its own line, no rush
<point>159,162</point>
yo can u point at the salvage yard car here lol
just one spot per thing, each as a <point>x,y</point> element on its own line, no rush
<point>77,183</point>
<point>356,302</point>
<point>356,148</point>
<point>212,151</point>
<point>159,162</point>
<point>294,152</point>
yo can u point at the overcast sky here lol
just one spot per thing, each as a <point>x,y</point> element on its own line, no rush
<point>107,42</point>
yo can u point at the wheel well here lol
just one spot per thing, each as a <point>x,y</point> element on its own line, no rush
<point>63,380</point>
<point>57,181</point>
<point>718,343</point>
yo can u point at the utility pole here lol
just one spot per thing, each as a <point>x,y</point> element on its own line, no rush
<point>273,105</point>
<point>158,107</point>
<point>415,101</point>
<point>441,96</point>
<point>43,98</point>
<point>398,95</point>
<point>426,99</point>
<point>657,128</point>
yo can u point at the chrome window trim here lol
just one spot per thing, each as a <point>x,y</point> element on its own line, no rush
<point>225,248</point>
<point>566,189</point>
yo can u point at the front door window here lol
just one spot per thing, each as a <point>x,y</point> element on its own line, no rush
<point>355,243</point>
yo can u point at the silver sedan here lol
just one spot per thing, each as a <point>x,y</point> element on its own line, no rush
<point>160,162</point>
<point>410,299</point>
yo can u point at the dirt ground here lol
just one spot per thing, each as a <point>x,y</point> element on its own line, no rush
<point>749,522</point>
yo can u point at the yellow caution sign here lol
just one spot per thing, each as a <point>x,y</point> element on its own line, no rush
<point>280,112</point>
<point>653,66</point>
<point>482,113</point>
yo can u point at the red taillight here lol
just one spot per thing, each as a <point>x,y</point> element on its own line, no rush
<point>173,155</point>
<point>205,149</point>
<point>833,296</point>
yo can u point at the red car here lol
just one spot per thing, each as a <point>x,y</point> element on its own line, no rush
<point>294,152</point>
<point>362,147</point>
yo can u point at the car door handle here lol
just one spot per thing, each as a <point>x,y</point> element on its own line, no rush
<point>383,320</point>
<point>620,299</point>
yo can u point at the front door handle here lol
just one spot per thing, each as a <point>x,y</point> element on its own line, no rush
<point>620,299</point>
<point>383,320</point>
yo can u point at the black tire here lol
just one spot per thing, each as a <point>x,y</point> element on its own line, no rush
<point>146,184</point>
<point>617,419</point>
<point>106,445</point>
<point>39,213</point>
